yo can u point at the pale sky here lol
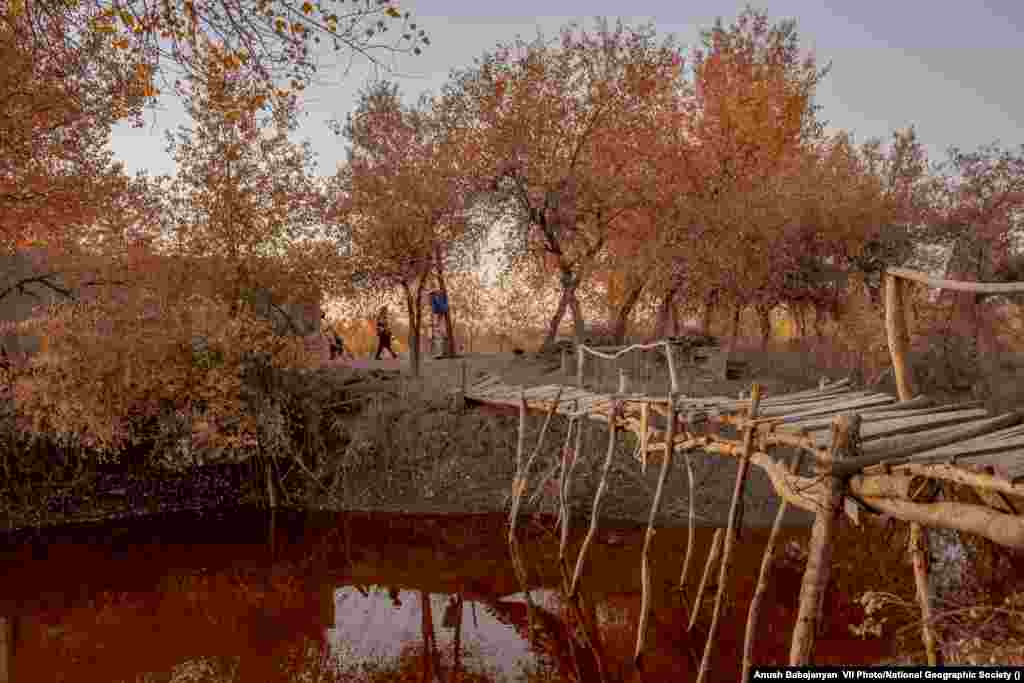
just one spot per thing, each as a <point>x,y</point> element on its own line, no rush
<point>952,69</point>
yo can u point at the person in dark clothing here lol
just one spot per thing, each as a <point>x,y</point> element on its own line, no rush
<point>335,341</point>
<point>384,334</point>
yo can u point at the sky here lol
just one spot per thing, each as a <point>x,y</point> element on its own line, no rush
<point>950,69</point>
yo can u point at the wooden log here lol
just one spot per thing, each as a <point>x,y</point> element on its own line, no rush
<point>754,613</point>
<point>1006,530</point>
<point>819,558</point>
<point>579,365</point>
<point>918,550</point>
<point>960,475</point>
<point>645,416</point>
<point>895,331</point>
<point>565,488</point>
<point>877,429</point>
<point>596,510</point>
<point>957,285</point>
<point>709,564</point>
<point>730,536</point>
<point>690,519</point>
<point>898,448</point>
<point>645,561</point>
<point>673,376</point>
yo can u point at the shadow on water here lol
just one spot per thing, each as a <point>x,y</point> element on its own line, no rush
<point>346,597</point>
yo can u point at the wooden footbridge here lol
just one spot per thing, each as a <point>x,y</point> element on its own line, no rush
<point>963,443</point>
<point>871,453</point>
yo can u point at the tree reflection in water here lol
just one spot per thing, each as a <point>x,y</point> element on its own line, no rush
<point>364,598</point>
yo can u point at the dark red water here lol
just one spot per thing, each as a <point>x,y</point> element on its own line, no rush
<point>332,597</point>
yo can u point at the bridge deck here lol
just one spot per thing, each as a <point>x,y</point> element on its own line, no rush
<point>914,436</point>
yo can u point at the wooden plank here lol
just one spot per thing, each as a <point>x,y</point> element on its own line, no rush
<point>1001,438</point>
<point>902,448</point>
<point>814,424</point>
<point>808,403</point>
<point>915,403</point>
<point>785,399</point>
<point>905,425</point>
<point>836,407</point>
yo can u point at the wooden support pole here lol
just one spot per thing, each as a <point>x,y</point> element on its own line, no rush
<point>271,489</point>
<point>460,397</point>
<point>579,365</point>
<point>918,554</point>
<point>645,417</point>
<point>623,382</point>
<point>763,579</point>
<point>845,443</point>
<point>709,565</point>
<point>690,503</point>
<point>730,534</point>
<point>565,361</point>
<point>645,562</point>
<point>595,512</point>
<point>896,334</point>
<point>673,378</point>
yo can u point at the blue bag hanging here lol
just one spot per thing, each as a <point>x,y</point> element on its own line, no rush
<point>439,303</point>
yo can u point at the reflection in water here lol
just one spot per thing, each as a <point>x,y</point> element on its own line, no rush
<point>330,597</point>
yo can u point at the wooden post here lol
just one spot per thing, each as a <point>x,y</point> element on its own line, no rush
<point>7,649</point>
<point>709,565</point>
<point>565,361</point>
<point>898,337</point>
<point>623,381</point>
<point>271,489</point>
<point>896,333</point>
<point>645,562</point>
<point>845,443</point>
<point>754,613</point>
<point>460,396</point>
<point>731,532</point>
<point>579,365</point>
<point>672,377</point>
<point>918,554</point>
<point>645,417</point>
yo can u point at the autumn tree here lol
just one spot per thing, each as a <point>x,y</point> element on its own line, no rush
<point>978,218</point>
<point>547,126</point>
<point>401,198</point>
<point>59,97</point>
<point>244,207</point>
<point>273,43</point>
<point>752,114</point>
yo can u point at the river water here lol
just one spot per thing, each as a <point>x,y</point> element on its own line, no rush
<point>243,596</point>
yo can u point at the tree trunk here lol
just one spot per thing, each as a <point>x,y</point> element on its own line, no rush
<point>665,309</point>
<point>764,317</point>
<point>556,320</point>
<point>819,321</point>
<point>734,335</point>
<point>414,308</point>
<point>800,317</point>
<point>625,312</point>
<point>577,317</point>
<point>705,314</point>
<point>449,344</point>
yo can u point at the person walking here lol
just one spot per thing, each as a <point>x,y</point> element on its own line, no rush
<point>384,334</point>
<point>335,341</point>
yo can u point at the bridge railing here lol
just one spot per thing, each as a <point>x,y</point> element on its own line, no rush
<point>896,329</point>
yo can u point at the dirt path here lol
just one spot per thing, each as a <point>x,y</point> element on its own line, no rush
<point>483,484</point>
